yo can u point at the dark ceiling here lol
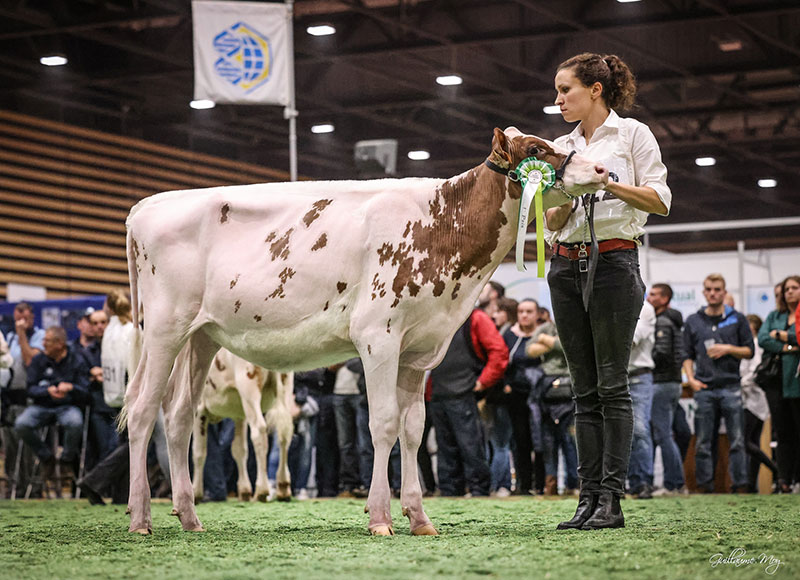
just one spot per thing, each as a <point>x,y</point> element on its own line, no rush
<point>130,72</point>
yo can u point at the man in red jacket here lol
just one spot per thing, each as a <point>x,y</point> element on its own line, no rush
<point>475,361</point>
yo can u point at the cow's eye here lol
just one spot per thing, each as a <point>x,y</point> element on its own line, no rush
<point>533,151</point>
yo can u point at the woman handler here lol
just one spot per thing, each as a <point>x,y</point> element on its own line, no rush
<point>596,289</point>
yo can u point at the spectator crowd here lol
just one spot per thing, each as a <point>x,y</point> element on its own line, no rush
<point>500,415</point>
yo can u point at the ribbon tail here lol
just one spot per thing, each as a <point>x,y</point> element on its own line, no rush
<point>528,193</point>
<point>539,208</point>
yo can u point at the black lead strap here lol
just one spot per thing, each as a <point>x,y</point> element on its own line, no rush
<point>589,268</point>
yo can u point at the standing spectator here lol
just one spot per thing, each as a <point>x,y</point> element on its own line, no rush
<point>778,335</point>
<point>552,401</point>
<point>518,387</point>
<point>595,284</point>
<point>475,361</point>
<point>102,420</point>
<point>506,314</point>
<point>716,338</point>
<point>640,379</point>
<point>58,381</point>
<point>756,411</point>
<point>667,358</point>
<point>352,429</point>
<point>543,317</point>
<point>24,342</point>
<point>320,384</point>
<point>491,293</point>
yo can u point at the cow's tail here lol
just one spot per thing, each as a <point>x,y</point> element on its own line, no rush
<point>136,347</point>
<point>133,275</point>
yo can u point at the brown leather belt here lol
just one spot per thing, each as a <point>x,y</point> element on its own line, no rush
<point>572,252</point>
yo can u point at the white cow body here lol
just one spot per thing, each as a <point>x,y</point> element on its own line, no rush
<point>302,275</point>
<point>244,392</point>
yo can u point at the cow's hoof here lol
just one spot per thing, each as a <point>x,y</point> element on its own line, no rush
<point>142,531</point>
<point>128,511</point>
<point>382,530</point>
<point>262,497</point>
<point>246,496</point>
<point>284,498</point>
<point>426,530</point>
<point>195,529</point>
<point>174,512</point>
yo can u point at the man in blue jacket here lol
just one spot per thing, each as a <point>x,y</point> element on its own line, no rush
<point>58,382</point>
<point>716,338</point>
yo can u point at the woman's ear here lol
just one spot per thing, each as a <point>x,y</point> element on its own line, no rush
<point>597,90</point>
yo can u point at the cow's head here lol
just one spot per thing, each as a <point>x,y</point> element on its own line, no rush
<point>581,175</point>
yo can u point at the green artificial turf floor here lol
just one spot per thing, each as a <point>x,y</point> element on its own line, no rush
<point>513,538</point>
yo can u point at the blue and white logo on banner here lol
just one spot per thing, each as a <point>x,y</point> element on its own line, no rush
<point>245,56</point>
<point>241,52</point>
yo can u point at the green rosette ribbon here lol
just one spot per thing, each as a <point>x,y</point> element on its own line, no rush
<point>536,177</point>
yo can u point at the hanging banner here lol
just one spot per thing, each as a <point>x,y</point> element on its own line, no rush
<point>240,52</point>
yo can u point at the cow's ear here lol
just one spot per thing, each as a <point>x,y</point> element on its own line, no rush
<point>500,144</point>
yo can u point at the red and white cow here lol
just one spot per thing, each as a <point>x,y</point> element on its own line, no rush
<point>301,275</point>
<point>244,392</point>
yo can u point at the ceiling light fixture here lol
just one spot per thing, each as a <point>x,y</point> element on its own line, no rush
<point>627,1</point>
<point>449,80</point>
<point>321,30</point>
<point>323,128</point>
<point>53,60</point>
<point>201,104</point>
<point>551,110</point>
<point>420,155</point>
<point>730,45</point>
<point>769,182</point>
<point>705,161</point>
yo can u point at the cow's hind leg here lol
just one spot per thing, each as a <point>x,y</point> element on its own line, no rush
<point>284,428</point>
<point>383,425</point>
<point>244,490</point>
<point>191,368</point>
<point>410,399</point>
<point>250,381</point>
<point>145,392</point>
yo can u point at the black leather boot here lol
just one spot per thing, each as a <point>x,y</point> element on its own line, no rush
<point>586,506</point>
<point>608,513</point>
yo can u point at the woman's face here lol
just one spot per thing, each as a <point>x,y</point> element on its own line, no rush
<point>573,97</point>
<point>500,317</point>
<point>792,291</point>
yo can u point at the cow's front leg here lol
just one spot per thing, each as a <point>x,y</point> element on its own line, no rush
<point>199,453</point>
<point>410,399</point>
<point>383,426</point>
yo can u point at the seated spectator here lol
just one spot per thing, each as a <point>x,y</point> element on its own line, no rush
<point>58,381</point>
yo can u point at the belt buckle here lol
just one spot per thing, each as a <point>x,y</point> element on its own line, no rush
<point>583,263</point>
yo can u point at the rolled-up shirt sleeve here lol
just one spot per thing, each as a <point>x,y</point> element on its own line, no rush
<point>649,169</point>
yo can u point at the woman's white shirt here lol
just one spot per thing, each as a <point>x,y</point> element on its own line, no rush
<point>628,148</point>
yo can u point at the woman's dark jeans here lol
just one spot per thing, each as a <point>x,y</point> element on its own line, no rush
<point>597,345</point>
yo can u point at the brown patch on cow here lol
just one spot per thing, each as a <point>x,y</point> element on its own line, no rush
<point>343,307</point>
<point>321,242</point>
<point>252,375</point>
<point>223,213</point>
<point>135,247</point>
<point>217,363</point>
<point>369,349</point>
<point>326,307</point>
<point>340,286</point>
<point>315,211</point>
<point>234,281</point>
<point>389,326</point>
<point>236,306</point>
<point>204,419</point>
<point>280,247</point>
<point>285,275</point>
<point>257,318</point>
<point>407,230</point>
<point>153,269</point>
<point>456,240</point>
<point>270,237</point>
<point>145,257</point>
<point>378,287</point>
<point>213,386</point>
<point>456,288</point>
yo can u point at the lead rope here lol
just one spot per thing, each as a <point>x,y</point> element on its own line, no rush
<point>588,267</point>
